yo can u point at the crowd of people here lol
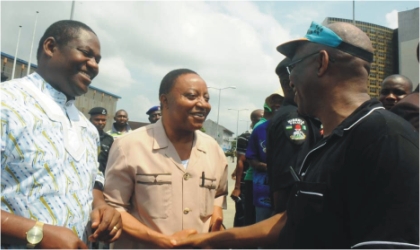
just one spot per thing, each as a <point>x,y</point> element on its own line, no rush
<point>322,166</point>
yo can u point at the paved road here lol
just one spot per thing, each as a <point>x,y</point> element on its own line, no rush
<point>229,214</point>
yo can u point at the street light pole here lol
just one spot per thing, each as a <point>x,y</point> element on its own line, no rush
<point>72,9</point>
<point>218,107</point>
<point>17,48</point>
<point>247,123</point>
<point>237,122</point>
<point>32,44</point>
<point>218,110</point>
<point>354,22</point>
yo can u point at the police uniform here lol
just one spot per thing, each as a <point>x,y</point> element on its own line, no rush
<point>358,187</point>
<point>106,143</point>
<point>106,140</point>
<point>153,114</point>
<point>290,137</point>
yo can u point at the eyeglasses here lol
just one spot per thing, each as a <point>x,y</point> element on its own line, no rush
<point>293,64</point>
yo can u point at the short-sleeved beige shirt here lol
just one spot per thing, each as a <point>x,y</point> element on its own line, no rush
<point>146,178</point>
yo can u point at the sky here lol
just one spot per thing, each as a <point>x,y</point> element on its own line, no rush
<point>228,43</point>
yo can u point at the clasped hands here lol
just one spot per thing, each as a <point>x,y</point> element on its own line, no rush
<point>190,238</point>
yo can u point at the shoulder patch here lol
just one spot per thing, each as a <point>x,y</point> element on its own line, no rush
<point>296,129</point>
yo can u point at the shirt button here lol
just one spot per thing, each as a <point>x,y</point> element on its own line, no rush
<point>187,210</point>
<point>186,176</point>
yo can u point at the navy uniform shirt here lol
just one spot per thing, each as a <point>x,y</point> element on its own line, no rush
<point>358,187</point>
<point>290,137</point>
<point>106,143</point>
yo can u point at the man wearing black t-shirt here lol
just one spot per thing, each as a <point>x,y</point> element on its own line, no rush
<point>290,136</point>
<point>358,187</point>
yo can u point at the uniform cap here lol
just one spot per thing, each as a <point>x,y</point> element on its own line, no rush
<point>98,111</point>
<point>152,109</point>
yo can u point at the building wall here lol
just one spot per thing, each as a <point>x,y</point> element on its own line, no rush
<point>408,39</point>
<point>96,98</point>
<point>222,135</point>
<point>384,59</point>
<point>21,68</point>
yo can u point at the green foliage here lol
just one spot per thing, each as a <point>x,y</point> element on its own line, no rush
<point>229,153</point>
<point>233,144</point>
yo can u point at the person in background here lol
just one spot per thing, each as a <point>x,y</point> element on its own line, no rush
<point>272,101</point>
<point>154,114</point>
<point>271,104</point>
<point>120,126</point>
<point>257,158</point>
<point>51,186</point>
<point>408,107</point>
<point>98,116</point>
<point>393,89</point>
<point>290,136</point>
<point>169,179</point>
<point>98,119</point>
<point>242,195</point>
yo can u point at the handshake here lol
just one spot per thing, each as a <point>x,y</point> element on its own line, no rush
<point>189,238</point>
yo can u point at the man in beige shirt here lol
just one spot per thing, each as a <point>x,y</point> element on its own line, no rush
<point>160,187</point>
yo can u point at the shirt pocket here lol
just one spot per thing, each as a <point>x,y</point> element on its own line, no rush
<point>307,201</point>
<point>154,193</point>
<point>207,185</point>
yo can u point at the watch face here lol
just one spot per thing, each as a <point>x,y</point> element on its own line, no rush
<point>34,236</point>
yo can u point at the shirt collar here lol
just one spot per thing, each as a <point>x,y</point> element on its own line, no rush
<point>162,141</point>
<point>46,88</point>
<point>358,115</point>
<point>57,96</point>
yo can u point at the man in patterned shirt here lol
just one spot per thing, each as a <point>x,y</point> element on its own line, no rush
<point>50,184</point>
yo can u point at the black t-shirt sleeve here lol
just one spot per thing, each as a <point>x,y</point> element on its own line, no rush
<point>383,193</point>
<point>291,134</point>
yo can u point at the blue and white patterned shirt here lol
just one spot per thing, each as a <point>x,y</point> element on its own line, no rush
<point>49,153</point>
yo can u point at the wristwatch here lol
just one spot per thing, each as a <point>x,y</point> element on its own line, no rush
<point>35,235</point>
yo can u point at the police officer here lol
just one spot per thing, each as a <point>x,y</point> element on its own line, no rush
<point>290,135</point>
<point>98,119</point>
<point>154,114</point>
